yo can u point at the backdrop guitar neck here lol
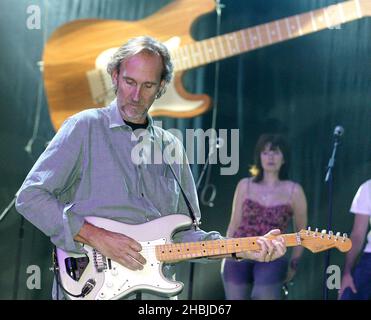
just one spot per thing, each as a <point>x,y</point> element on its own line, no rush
<point>234,43</point>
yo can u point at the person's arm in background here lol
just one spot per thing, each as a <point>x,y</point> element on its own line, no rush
<point>236,215</point>
<point>299,205</point>
<point>359,231</point>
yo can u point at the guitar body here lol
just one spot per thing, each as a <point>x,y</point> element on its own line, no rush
<point>112,280</point>
<point>72,51</point>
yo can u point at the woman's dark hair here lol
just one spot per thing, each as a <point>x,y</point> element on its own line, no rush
<point>275,141</point>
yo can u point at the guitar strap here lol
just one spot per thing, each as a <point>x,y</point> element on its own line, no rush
<point>196,223</point>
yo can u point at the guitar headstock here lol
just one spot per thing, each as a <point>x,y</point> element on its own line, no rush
<point>316,241</point>
<point>365,7</point>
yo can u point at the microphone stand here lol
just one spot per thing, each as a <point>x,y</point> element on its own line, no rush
<point>7,209</point>
<point>191,269</point>
<point>218,8</point>
<point>20,245</point>
<point>329,179</point>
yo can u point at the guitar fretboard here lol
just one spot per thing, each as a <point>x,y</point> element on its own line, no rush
<point>191,250</point>
<point>234,43</point>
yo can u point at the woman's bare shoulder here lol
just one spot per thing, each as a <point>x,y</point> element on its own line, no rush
<point>245,181</point>
<point>243,184</point>
<point>296,189</point>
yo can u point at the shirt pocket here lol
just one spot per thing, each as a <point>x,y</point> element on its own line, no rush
<point>167,194</point>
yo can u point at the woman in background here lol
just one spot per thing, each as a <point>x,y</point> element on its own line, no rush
<point>267,200</point>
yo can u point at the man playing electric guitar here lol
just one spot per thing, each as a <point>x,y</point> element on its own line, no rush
<point>91,168</point>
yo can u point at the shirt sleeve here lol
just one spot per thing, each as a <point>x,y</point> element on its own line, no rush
<point>45,195</point>
<point>362,200</point>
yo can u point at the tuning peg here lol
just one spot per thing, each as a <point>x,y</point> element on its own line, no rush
<point>345,236</point>
<point>315,232</point>
<point>337,236</point>
<point>330,234</point>
<point>323,233</point>
<point>308,231</point>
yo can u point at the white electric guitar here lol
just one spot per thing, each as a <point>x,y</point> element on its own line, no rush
<point>94,276</point>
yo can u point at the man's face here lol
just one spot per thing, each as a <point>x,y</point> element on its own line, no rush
<point>138,83</point>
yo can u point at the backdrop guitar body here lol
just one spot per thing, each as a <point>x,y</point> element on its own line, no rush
<point>76,55</point>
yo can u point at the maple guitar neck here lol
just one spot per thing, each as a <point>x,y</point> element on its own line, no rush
<point>234,43</point>
<point>314,241</point>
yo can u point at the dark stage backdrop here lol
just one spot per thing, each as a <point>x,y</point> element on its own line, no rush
<point>303,87</point>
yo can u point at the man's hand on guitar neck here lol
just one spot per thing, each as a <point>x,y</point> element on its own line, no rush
<point>115,246</point>
<point>269,249</point>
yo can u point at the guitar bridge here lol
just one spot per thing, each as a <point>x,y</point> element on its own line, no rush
<point>100,261</point>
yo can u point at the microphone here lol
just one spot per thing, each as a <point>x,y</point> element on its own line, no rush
<point>339,131</point>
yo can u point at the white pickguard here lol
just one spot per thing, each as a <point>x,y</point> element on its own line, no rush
<point>119,281</point>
